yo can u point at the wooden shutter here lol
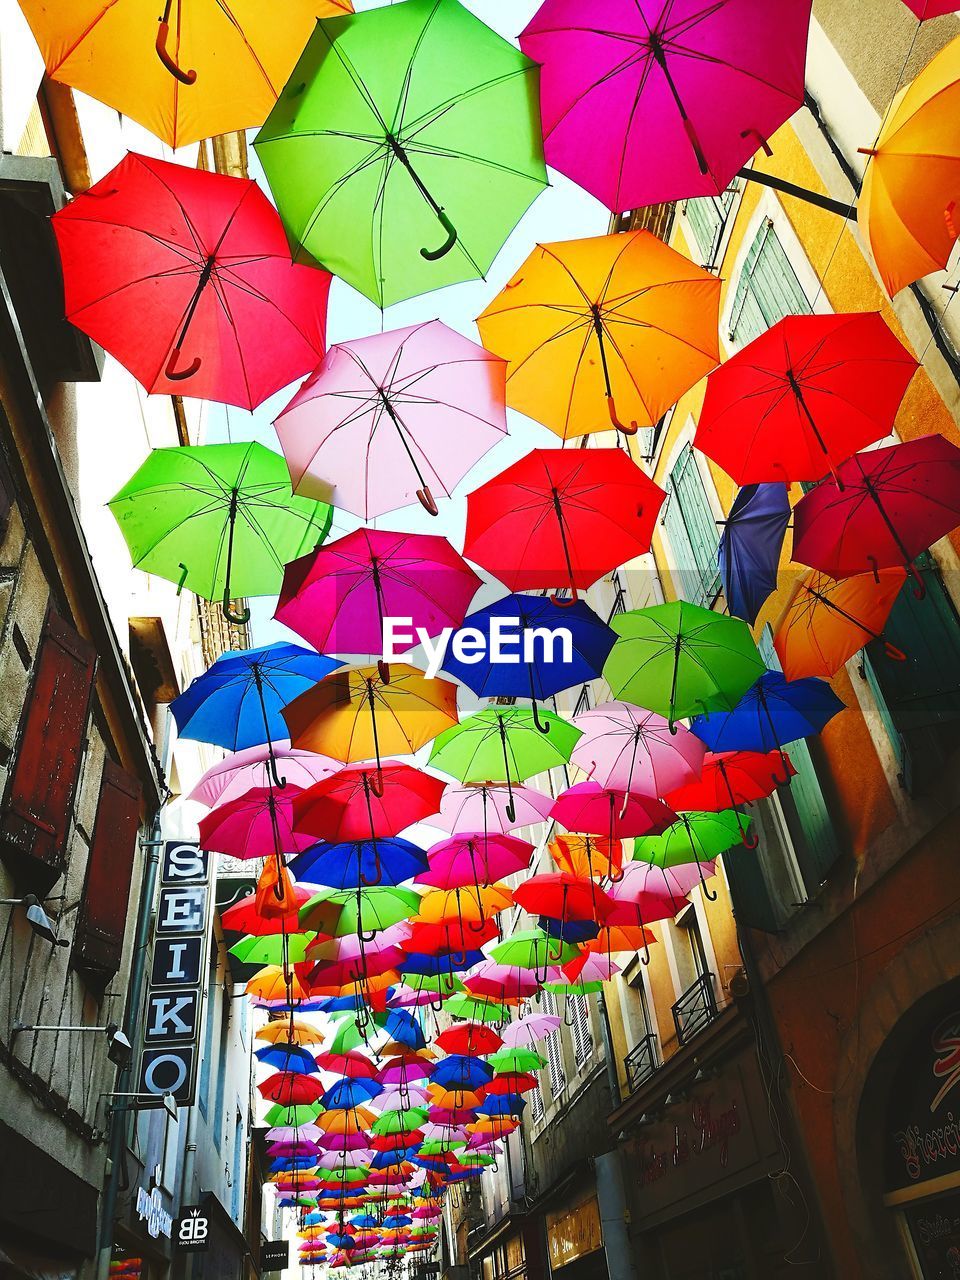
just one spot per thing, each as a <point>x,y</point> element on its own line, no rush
<point>36,812</point>
<point>692,531</point>
<point>558,1078</point>
<point>582,1039</point>
<point>753,904</point>
<point>768,288</point>
<point>98,941</point>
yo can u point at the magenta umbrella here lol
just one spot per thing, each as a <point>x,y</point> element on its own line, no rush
<point>243,771</point>
<point>474,859</point>
<point>394,418</point>
<point>258,824</point>
<point>338,596</point>
<point>482,806</point>
<point>605,811</point>
<point>645,101</point>
<point>631,749</point>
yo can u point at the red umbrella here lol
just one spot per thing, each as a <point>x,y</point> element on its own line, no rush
<point>512,1082</point>
<point>185,277</point>
<point>803,397</point>
<point>893,504</point>
<point>561,517</point>
<point>258,824</point>
<point>244,917</point>
<point>347,806</point>
<point>730,778</point>
<point>449,936</point>
<point>471,1038</point>
<point>563,896</point>
<point>291,1088</point>
<point>602,811</point>
<point>353,1066</point>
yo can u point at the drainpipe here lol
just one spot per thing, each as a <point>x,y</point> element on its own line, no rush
<point>613,1080</point>
<point>612,1204</point>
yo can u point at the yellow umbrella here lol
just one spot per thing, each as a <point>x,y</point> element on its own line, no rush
<point>204,68</point>
<point>465,903</point>
<point>610,330</point>
<point>290,1032</point>
<point>909,207</point>
<point>272,983</point>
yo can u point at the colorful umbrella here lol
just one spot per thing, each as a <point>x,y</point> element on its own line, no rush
<point>827,621</point>
<point>387,861</point>
<point>363,911</point>
<point>709,82</point>
<point>803,397</point>
<point>244,917</point>
<point>532,949</point>
<point>232,777</point>
<point>257,825</point>
<point>417,406</point>
<point>471,1038</point>
<point>911,188</point>
<point>562,896</point>
<point>361,804</point>
<point>750,547</point>
<point>475,859</point>
<point>629,749</point>
<point>218,519</point>
<point>561,518</point>
<point>603,811</point>
<point>925,9</point>
<point>678,659</point>
<point>476,902</point>
<point>696,837</point>
<point>619,322</point>
<point>482,806</point>
<point>289,1028</point>
<point>530,1029</point>
<point>397,125</point>
<point>583,855</point>
<point>273,949</point>
<point>185,277</point>
<point>730,778</point>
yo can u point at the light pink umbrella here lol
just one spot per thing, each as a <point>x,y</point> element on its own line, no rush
<point>631,749</point>
<point>501,981</point>
<point>405,997</point>
<point>530,1029</point>
<point>473,858</point>
<point>345,1159</point>
<point>350,947</point>
<point>676,881</point>
<point>394,418</point>
<point>645,101</point>
<point>589,966</point>
<point>287,1133</point>
<point>647,893</point>
<point>433,1132</point>
<point>482,806</point>
<point>591,809</point>
<point>243,770</point>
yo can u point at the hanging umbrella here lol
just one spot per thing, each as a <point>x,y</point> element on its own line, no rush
<point>417,407</point>
<point>482,806</point>
<point>894,503</point>
<point>620,323</point>
<point>827,621</point>
<point>400,126</point>
<point>697,838</point>
<point>478,1009</point>
<point>367,803</point>
<point>274,949</point>
<point>257,825</point>
<point>678,659</point>
<point>504,742</point>
<point>290,1088</point>
<point>629,749</point>
<point>911,188</point>
<point>241,771</point>
<point>204,70</point>
<point>218,519</point>
<point>750,547</point>
<point>731,778</point>
<point>530,1029</point>
<point>595,857</point>
<point>642,895</point>
<point>275,983</point>
<point>339,597</point>
<point>288,1057</point>
<point>800,399</point>
<point>561,518</point>
<point>471,1038</point>
<point>562,896</point>
<point>300,1033</point>
<point>387,861</point>
<point>531,949</point>
<point>474,860</point>
<point>647,101</point>
<point>450,939</point>
<point>551,647</point>
<point>185,277</point>
<point>474,903</point>
<point>244,917</point>
<point>925,9</point>
<point>364,911</point>
<point>588,807</point>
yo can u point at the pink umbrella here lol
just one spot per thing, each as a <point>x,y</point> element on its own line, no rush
<point>605,811</point>
<point>400,1099</point>
<point>387,420</point>
<point>527,1031</point>
<point>501,981</point>
<point>645,101</point>
<point>636,904</point>
<point>258,824</point>
<point>338,596</point>
<point>587,967</point>
<point>288,1133</point>
<point>244,770</point>
<point>474,859</point>
<point>342,1141</point>
<point>345,1159</point>
<point>443,1133</point>
<point>630,749</point>
<point>482,806</point>
<point>925,9</point>
<point>667,882</point>
<point>405,997</point>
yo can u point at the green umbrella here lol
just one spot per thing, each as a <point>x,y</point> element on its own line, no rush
<point>219,519</point>
<point>504,743</point>
<point>347,1036</point>
<point>293,1117</point>
<point>474,1010</point>
<point>694,837</point>
<point>518,1060</point>
<point>678,659</point>
<point>405,147</point>
<point>440,1146</point>
<point>269,948</point>
<point>533,949</point>
<point>391,1122</point>
<point>578,988</point>
<point>363,911</point>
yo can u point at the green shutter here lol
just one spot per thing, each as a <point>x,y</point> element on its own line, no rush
<point>768,288</point>
<point>753,905</point>
<point>692,531</point>
<point>707,216</point>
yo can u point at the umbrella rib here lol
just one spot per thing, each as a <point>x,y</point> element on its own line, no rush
<point>231,18</point>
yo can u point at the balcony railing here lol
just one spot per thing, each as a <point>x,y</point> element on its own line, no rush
<point>695,1009</point>
<point>642,1061</point>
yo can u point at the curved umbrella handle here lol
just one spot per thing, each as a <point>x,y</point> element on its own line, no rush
<point>620,426</point>
<point>378,870</point>
<point>163,33</point>
<point>893,653</point>
<point>765,146</point>
<point>433,254</point>
<point>180,375</point>
<point>920,588</point>
<point>787,776</point>
<point>645,957</point>
<point>383,671</point>
<point>238,620</point>
<point>564,602</point>
<point>542,725</point>
<point>567,1021</point>
<point>427,501</point>
<point>376,783</point>
<point>367,937</point>
<point>750,840</point>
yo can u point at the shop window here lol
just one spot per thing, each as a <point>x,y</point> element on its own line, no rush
<point>919,699</point>
<point>768,288</point>
<point>37,808</point>
<point>692,531</point>
<point>101,923</point>
<point>707,216</point>
<point>579,1017</point>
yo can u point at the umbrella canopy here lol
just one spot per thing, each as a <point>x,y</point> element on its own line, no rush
<point>299,1033</point>
<point>387,861</point>
<point>339,596</point>
<point>911,187</point>
<point>257,825</point>
<point>232,777</point>
<point>471,1038</point>
<point>697,837</point>
<point>405,148</point>
<point>603,811</point>
<point>710,82</point>
<point>629,749</point>
<point>274,949</point>
<point>367,803</point>
<point>584,855</point>
<point>774,712</point>
<point>532,949</point>
<point>562,896</point>
<point>619,324</point>
<point>245,917</point>
<point>561,518</point>
<point>730,778</point>
<point>218,519</point>
<point>185,277</point>
<point>750,547</point>
<point>482,806</point>
<point>205,70</point>
<point>394,418</point>
<point>925,9</point>
<point>827,621</point>
<point>360,911</point>
<point>893,504</point>
<point>475,859</point>
<point>678,659</point>
<point>474,903</point>
<point>528,1030</point>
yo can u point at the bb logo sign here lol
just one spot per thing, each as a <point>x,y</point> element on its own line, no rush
<point>192,1233</point>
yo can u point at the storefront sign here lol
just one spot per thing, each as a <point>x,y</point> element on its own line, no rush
<point>151,1211</point>
<point>573,1233</point>
<point>935,1231</point>
<point>193,1230</point>
<point>274,1255</point>
<point>923,1121</point>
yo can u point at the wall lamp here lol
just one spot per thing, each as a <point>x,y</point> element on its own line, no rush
<point>37,918</point>
<point>168,1102</point>
<point>119,1051</point>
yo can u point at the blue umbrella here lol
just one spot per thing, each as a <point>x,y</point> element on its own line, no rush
<point>341,1240</point>
<point>774,712</point>
<point>347,1094</point>
<point>390,1159</point>
<point>501,1104</point>
<point>537,668</point>
<point>397,1220</point>
<point>750,546</point>
<point>431,966</point>
<point>364,1220</point>
<point>284,1164</point>
<point>287,1057</point>
<point>403,1028</point>
<point>569,930</point>
<point>462,1073</point>
<point>360,862</point>
<point>237,702</point>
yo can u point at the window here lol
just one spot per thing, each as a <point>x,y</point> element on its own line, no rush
<point>768,288</point>
<point>580,1026</point>
<point>692,530</point>
<point>554,1048</point>
<point>707,216</point>
<point>536,1105</point>
<point>689,952</point>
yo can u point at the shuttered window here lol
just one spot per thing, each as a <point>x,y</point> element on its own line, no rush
<point>768,288</point>
<point>98,941</point>
<point>707,216</point>
<point>554,1048</point>
<point>582,1039</point>
<point>692,531</point>
<point>37,806</point>
<point>536,1104</point>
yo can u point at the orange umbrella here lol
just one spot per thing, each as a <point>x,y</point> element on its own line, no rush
<point>470,903</point>
<point>826,621</point>
<point>623,937</point>
<point>346,1122</point>
<point>203,69</point>
<point>290,1032</point>
<point>613,329</point>
<point>592,857</point>
<point>909,207</point>
<point>271,983</point>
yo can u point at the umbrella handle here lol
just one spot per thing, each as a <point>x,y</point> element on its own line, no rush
<point>564,602</point>
<point>426,498</point>
<point>180,375</point>
<point>920,589</point>
<point>383,671</point>
<point>620,426</point>
<point>765,146</point>
<point>378,869</point>
<point>238,619</point>
<point>433,254</point>
<point>893,653</point>
<point>376,783</point>
<point>750,840</point>
<point>163,33</point>
<point>567,1021</point>
<point>367,937</point>
<point>543,726</point>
